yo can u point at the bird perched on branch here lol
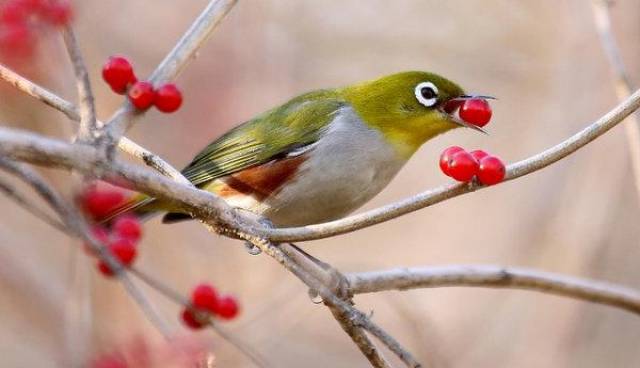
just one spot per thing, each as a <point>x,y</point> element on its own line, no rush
<point>323,154</point>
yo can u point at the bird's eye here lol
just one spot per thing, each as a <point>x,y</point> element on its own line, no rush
<point>427,93</point>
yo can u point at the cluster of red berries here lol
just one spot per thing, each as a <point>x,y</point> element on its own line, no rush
<point>119,75</point>
<point>464,166</point>
<point>20,19</point>
<point>205,298</point>
<point>122,237</point>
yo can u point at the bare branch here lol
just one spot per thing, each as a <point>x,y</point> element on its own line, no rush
<point>361,339</point>
<point>88,125</point>
<point>23,202</point>
<point>437,195</point>
<point>346,312</point>
<point>622,82</point>
<point>326,275</point>
<point>496,277</point>
<point>152,160</point>
<point>176,60</point>
<point>39,93</point>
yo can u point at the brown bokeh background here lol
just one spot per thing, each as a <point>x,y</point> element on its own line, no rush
<point>542,59</point>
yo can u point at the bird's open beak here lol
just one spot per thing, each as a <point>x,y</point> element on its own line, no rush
<point>451,107</point>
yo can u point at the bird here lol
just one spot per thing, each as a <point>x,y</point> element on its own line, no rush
<point>323,154</point>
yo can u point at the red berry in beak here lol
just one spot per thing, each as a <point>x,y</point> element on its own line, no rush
<point>491,170</point>
<point>451,106</point>
<point>463,167</point>
<point>446,155</point>
<point>475,111</point>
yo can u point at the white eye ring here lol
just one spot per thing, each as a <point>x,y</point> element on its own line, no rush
<point>431,97</point>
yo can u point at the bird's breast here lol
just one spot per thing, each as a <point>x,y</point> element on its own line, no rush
<point>348,166</point>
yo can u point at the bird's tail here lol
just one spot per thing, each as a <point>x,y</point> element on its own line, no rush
<point>141,206</point>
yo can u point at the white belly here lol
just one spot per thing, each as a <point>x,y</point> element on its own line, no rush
<point>348,166</point>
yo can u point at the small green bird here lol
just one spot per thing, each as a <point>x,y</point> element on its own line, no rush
<point>323,154</point>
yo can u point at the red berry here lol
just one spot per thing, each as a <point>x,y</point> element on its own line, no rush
<point>205,296</point>
<point>142,94</point>
<point>227,307</point>
<point>190,320</point>
<point>14,11</point>
<point>123,250</point>
<point>127,226</point>
<point>17,40</point>
<point>168,98</point>
<point>479,154</point>
<point>476,111</point>
<point>463,167</point>
<point>491,170</point>
<point>99,203</point>
<point>58,12</point>
<point>118,73</point>
<point>446,155</point>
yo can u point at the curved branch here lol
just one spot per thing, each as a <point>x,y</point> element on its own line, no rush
<point>437,195</point>
<point>496,277</point>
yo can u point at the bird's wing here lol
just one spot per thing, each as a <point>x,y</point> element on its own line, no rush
<point>272,135</point>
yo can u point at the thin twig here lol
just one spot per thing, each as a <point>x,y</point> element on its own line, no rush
<point>39,93</point>
<point>622,82</point>
<point>88,131</point>
<point>175,61</point>
<point>23,202</point>
<point>360,338</point>
<point>496,277</point>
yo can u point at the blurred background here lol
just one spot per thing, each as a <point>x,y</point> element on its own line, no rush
<point>542,59</point>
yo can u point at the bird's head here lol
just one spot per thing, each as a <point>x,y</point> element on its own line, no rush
<point>409,108</point>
